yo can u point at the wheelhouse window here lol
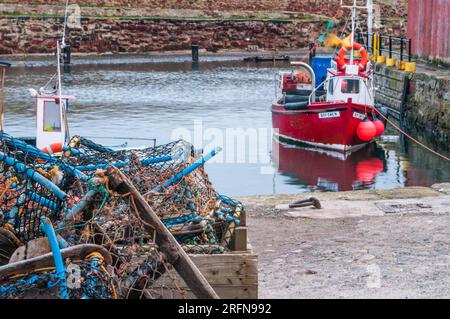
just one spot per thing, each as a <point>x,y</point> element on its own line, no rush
<point>330,86</point>
<point>52,117</point>
<point>350,86</point>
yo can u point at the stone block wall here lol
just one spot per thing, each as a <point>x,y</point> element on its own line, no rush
<point>424,103</point>
<point>428,106</point>
<point>30,35</point>
<point>32,26</point>
<point>388,8</point>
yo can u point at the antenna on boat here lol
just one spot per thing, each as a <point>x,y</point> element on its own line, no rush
<point>369,8</point>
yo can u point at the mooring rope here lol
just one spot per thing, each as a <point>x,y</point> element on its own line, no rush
<point>412,138</point>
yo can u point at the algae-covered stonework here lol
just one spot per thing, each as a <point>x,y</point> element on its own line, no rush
<point>421,98</point>
<point>429,104</point>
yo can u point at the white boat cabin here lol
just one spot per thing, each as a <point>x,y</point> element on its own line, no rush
<point>341,86</point>
<point>50,120</point>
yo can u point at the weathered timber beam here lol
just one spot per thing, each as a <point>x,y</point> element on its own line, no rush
<point>168,245</point>
<point>33,264</point>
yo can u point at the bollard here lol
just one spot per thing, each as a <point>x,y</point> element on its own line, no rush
<point>195,53</point>
<point>381,59</point>
<point>67,52</point>
<point>390,62</point>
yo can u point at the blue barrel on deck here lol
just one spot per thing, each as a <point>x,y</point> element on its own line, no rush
<point>320,64</point>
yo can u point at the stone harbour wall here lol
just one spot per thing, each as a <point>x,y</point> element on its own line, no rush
<point>388,8</point>
<point>31,35</point>
<point>420,100</point>
<point>32,26</point>
<point>428,106</point>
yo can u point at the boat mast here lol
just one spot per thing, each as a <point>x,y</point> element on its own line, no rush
<point>352,41</point>
<point>354,7</point>
<point>62,104</point>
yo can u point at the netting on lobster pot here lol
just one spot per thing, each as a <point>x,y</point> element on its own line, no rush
<point>173,180</point>
<point>111,221</point>
<point>189,206</point>
<point>88,156</point>
<point>26,193</point>
<point>87,278</point>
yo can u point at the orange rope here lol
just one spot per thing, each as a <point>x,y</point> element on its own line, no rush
<point>413,139</point>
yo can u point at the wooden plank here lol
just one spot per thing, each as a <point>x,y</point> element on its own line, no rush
<point>232,276</point>
<point>243,218</point>
<point>239,242</point>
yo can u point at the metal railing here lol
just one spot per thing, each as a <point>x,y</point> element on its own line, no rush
<point>399,48</point>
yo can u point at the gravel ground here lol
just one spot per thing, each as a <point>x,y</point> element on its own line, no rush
<point>397,255</point>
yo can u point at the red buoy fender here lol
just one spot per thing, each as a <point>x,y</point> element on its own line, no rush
<point>379,125</point>
<point>53,148</point>
<point>340,59</point>
<point>366,130</point>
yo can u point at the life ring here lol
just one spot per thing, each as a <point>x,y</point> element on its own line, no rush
<point>53,148</point>
<point>340,59</point>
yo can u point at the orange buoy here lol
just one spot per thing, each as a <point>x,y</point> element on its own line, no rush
<point>379,125</point>
<point>340,59</point>
<point>53,148</point>
<point>366,130</point>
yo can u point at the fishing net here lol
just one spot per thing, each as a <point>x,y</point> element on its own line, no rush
<point>86,279</point>
<point>173,180</point>
<point>25,193</point>
<point>113,222</point>
<point>72,192</point>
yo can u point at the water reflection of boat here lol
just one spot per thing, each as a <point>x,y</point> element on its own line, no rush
<point>329,171</point>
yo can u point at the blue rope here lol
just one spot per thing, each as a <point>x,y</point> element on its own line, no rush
<point>60,274</point>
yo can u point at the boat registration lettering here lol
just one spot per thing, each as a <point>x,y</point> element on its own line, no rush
<point>328,115</point>
<point>357,115</point>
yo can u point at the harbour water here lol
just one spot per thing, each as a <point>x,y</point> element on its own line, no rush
<point>122,101</point>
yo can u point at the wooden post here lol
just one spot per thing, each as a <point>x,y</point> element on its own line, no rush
<point>243,218</point>
<point>167,244</point>
<point>195,53</point>
<point>239,242</point>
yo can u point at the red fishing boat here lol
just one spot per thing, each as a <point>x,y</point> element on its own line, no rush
<point>335,112</point>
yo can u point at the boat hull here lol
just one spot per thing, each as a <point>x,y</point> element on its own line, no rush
<point>325,125</point>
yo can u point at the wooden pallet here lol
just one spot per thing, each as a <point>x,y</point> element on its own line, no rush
<point>233,275</point>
